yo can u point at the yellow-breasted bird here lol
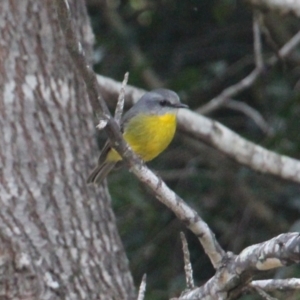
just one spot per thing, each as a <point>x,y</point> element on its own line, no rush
<point>148,127</point>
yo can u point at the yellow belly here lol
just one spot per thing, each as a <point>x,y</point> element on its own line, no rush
<point>147,135</point>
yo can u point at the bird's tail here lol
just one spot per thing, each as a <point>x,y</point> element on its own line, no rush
<point>100,172</point>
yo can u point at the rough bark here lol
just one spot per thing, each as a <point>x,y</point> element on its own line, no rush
<point>58,238</point>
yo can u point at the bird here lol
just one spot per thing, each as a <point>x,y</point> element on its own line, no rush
<point>148,127</point>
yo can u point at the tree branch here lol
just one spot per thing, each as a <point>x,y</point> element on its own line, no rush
<point>257,40</point>
<point>249,79</point>
<point>187,263</point>
<point>249,111</point>
<point>142,289</point>
<point>271,285</point>
<point>237,270</point>
<point>263,294</point>
<point>121,100</point>
<point>238,148</point>
<point>278,252</point>
<point>183,212</point>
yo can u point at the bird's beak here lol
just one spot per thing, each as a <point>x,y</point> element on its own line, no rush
<point>181,105</point>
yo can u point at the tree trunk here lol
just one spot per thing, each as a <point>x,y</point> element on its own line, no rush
<point>58,237</point>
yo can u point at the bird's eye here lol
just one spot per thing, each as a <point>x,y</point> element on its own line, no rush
<point>164,102</point>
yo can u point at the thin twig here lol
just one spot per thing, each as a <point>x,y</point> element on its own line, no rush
<point>187,263</point>
<point>121,100</point>
<point>266,32</point>
<point>251,113</point>
<point>287,48</point>
<point>248,81</point>
<point>230,92</point>
<point>257,40</point>
<point>263,294</point>
<point>142,289</point>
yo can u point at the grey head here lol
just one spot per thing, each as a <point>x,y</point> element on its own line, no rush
<point>156,102</point>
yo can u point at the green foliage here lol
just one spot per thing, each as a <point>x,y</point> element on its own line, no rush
<point>198,48</point>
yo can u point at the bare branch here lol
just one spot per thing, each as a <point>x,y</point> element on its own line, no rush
<point>121,100</point>
<point>241,150</point>
<point>277,252</point>
<point>277,284</point>
<point>265,30</point>
<point>142,289</point>
<point>251,113</point>
<point>249,79</point>
<point>263,294</point>
<point>257,40</point>
<point>230,92</point>
<point>236,271</point>
<point>187,263</point>
<point>110,89</point>
<point>183,212</point>
<point>287,48</point>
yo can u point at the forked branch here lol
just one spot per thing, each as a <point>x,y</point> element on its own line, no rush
<point>161,191</point>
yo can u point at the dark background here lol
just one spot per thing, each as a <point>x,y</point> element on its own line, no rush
<point>198,48</point>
